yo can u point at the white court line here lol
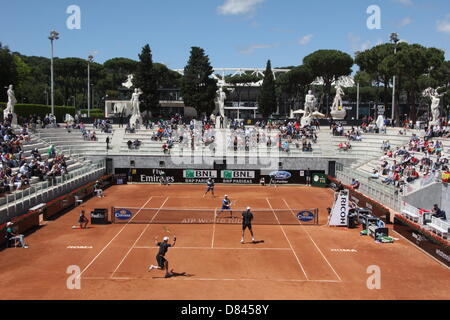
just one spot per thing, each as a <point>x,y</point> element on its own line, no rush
<point>210,279</point>
<point>140,236</point>
<point>285,235</point>
<point>107,245</point>
<point>317,247</point>
<point>214,228</point>
<point>216,248</point>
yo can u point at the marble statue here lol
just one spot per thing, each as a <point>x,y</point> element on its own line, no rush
<point>380,123</point>
<point>309,112</point>
<point>435,102</point>
<point>68,118</point>
<point>338,112</point>
<point>310,104</point>
<point>136,118</point>
<point>220,106</point>
<point>129,83</point>
<point>221,97</point>
<point>10,105</point>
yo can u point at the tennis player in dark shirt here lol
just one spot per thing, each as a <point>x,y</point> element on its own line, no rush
<point>160,257</point>
<point>247,217</point>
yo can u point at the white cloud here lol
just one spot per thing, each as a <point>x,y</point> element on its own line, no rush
<point>444,25</point>
<point>404,22</point>
<point>356,43</point>
<point>236,7</point>
<point>252,48</point>
<point>305,39</point>
<point>405,2</point>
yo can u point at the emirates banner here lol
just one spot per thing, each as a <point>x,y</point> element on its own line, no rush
<point>339,213</point>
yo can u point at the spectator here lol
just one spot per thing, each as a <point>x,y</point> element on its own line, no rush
<point>11,235</point>
<point>438,213</point>
<point>355,184</point>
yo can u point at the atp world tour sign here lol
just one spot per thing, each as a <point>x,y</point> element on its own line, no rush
<point>339,213</point>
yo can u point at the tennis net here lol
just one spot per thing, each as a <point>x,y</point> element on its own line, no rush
<point>125,215</point>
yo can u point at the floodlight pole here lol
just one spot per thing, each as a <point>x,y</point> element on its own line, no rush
<point>54,35</point>
<point>395,40</point>
<point>90,59</point>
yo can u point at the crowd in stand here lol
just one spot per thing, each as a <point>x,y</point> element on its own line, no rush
<point>406,164</point>
<point>281,134</point>
<point>16,170</point>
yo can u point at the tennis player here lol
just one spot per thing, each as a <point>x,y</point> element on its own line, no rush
<point>82,220</point>
<point>163,264</point>
<point>163,179</point>
<point>226,205</point>
<point>247,217</point>
<point>209,187</point>
<point>273,180</point>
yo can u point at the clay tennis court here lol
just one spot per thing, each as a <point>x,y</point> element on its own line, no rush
<point>291,261</point>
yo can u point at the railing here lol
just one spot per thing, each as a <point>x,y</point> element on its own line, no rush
<point>386,195</point>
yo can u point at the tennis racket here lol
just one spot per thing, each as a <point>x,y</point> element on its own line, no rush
<point>167,230</point>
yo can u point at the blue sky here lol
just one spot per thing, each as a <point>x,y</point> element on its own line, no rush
<point>234,33</point>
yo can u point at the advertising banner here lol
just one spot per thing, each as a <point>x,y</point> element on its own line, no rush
<point>339,213</point>
<point>431,244</point>
<point>219,176</point>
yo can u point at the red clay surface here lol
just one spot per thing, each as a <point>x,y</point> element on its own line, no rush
<point>294,261</point>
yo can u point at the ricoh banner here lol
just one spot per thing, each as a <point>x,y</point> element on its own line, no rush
<point>339,213</point>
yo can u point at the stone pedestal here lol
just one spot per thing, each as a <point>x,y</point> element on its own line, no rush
<point>305,121</point>
<point>136,120</point>
<point>14,119</point>
<point>338,114</point>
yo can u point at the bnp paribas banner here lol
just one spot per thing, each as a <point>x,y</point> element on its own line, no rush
<point>239,176</point>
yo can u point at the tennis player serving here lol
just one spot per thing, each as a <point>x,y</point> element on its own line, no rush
<point>226,205</point>
<point>247,217</point>
<point>163,264</point>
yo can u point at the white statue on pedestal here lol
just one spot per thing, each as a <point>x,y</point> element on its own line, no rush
<point>220,105</point>
<point>136,118</point>
<point>310,104</point>
<point>380,123</point>
<point>220,101</point>
<point>310,112</point>
<point>435,102</point>
<point>337,110</point>
<point>10,105</point>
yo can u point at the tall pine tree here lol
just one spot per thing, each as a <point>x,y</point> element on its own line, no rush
<point>145,79</point>
<point>198,88</point>
<point>267,98</point>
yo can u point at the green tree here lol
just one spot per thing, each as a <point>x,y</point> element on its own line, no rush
<point>198,88</point>
<point>267,98</point>
<point>117,71</point>
<point>8,71</point>
<point>295,83</point>
<point>411,64</point>
<point>329,65</point>
<point>166,78</point>
<point>145,79</point>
